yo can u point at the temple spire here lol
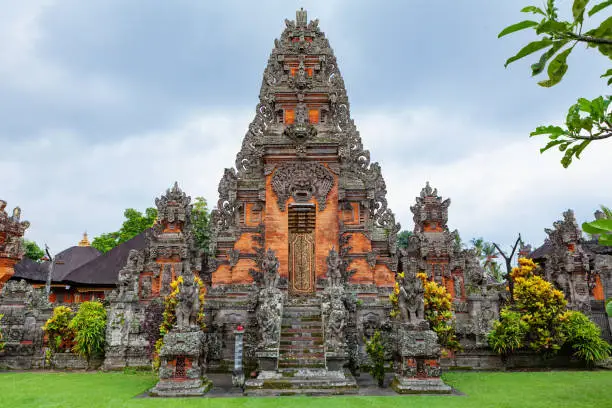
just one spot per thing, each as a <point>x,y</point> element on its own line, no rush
<point>85,241</point>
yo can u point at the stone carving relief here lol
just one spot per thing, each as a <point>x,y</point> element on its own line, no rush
<point>302,180</point>
<point>270,302</point>
<point>128,276</point>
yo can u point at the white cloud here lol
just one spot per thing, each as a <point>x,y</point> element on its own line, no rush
<point>497,188</point>
<point>25,68</point>
<point>66,186</point>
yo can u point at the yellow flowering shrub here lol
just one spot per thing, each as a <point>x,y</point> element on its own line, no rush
<point>438,305</point>
<point>169,315</point>
<point>538,320</point>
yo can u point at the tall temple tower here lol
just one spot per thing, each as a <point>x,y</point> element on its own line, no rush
<point>303,183</point>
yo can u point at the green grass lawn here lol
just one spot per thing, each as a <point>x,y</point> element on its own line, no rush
<point>502,389</point>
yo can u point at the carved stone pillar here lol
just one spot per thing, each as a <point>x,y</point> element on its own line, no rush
<point>11,246</point>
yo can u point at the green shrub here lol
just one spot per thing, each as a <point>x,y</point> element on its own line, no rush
<point>508,334</point>
<point>376,351</point>
<point>584,337</point>
<point>89,324</point>
<point>60,335</point>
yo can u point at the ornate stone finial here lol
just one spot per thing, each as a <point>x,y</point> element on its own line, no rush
<point>85,241</point>
<point>301,17</point>
<point>427,191</point>
<point>430,211</point>
<point>173,207</point>
<point>11,232</point>
<point>11,246</point>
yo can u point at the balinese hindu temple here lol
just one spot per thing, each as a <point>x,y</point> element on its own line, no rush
<point>303,258</point>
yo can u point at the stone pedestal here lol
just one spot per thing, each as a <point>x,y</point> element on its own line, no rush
<point>267,359</point>
<point>336,360</point>
<point>181,372</point>
<point>418,368</point>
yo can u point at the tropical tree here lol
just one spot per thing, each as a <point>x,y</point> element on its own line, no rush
<point>134,224</point>
<point>402,239</point>
<point>487,253</point>
<point>588,120</point>
<point>33,251</point>
<point>200,217</point>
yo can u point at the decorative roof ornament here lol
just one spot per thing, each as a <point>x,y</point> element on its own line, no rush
<point>430,211</point>
<point>565,232</point>
<point>173,206</point>
<point>301,17</point>
<point>11,232</point>
<point>85,241</point>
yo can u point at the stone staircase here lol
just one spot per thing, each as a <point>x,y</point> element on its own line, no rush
<point>301,339</point>
<point>301,365</point>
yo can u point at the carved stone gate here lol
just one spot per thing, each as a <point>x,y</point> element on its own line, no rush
<point>302,220</point>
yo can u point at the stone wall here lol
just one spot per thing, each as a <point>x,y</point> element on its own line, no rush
<point>25,312</point>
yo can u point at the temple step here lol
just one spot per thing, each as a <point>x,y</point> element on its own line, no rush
<point>296,339</point>
<point>316,348</point>
<point>302,381</point>
<point>311,331</point>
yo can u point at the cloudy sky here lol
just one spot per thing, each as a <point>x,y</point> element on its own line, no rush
<point>105,103</point>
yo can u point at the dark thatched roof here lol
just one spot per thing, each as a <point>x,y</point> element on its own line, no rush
<point>70,259</point>
<point>104,269</point>
<point>31,271</point>
<point>65,262</point>
<point>541,252</point>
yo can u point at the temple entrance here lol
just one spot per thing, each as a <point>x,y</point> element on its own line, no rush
<point>302,219</point>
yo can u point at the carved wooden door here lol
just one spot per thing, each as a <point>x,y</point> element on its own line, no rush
<point>301,249</point>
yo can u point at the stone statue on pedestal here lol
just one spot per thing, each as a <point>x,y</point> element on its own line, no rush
<point>334,272</point>
<point>270,270</point>
<point>410,299</point>
<point>188,305</point>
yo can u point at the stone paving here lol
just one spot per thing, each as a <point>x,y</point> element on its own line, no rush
<point>222,388</point>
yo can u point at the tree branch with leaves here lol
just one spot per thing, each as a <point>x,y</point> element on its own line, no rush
<point>587,120</point>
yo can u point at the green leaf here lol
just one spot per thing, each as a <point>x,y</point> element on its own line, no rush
<point>604,224</point>
<point>578,10</point>
<point>553,27</point>
<point>517,27</point>
<point>608,72</point>
<point>556,69</point>
<point>538,67</point>
<point>578,149</point>
<point>590,229</point>
<point>529,49</point>
<point>533,9</point>
<point>585,105</point>
<point>609,308</point>
<point>544,130</point>
<point>550,144</point>
<point>599,7</point>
